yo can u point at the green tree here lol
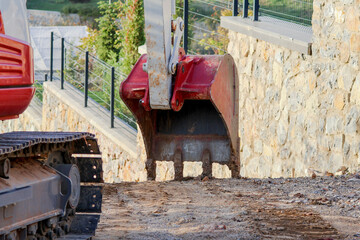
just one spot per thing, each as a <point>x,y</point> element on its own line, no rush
<point>131,35</point>
<point>107,40</point>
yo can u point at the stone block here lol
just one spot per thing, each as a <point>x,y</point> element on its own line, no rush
<point>244,50</point>
<point>258,146</point>
<point>246,153</point>
<point>282,132</point>
<point>346,77</point>
<point>312,80</point>
<point>336,161</point>
<point>344,52</point>
<point>264,167</point>
<point>338,143</point>
<point>352,19</point>
<point>355,42</point>
<point>329,10</point>
<point>339,100</point>
<point>267,151</point>
<point>334,124</point>
<point>279,56</point>
<point>351,121</point>
<point>249,66</point>
<point>249,107</point>
<point>312,103</point>
<point>284,153</point>
<point>339,13</point>
<point>296,100</point>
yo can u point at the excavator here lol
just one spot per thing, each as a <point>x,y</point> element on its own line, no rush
<point>49,181</point>
<point>186,108</point>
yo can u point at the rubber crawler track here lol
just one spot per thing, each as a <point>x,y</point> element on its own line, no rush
<point>79,148</point>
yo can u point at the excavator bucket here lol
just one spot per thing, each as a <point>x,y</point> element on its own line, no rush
<point>202,124</point>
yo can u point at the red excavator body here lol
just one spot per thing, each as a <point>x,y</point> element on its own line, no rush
<point>16,75</point>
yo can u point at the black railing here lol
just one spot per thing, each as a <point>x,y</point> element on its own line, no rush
<point>297,11</point>
<point>203,34</point>
<point>95,78</point>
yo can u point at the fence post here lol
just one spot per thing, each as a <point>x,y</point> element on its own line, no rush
<point>86,77</point>
<point>186,24</point>
<point>256,10</point>
<point>62,61</point>
<point>112,96</point>
<point>51,56</point>
<point>236,8</point>
<point>46,77</point>
<point>245,8</point>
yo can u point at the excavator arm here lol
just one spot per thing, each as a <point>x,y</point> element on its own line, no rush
<point>186,106</point>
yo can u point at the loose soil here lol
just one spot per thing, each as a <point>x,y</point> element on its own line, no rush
<point>302,208</point>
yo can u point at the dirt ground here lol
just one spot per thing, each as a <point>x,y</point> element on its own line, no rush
<point>303,208</point>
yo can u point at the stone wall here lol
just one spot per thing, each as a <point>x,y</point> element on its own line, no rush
<point>30,120</point>
<point>300,113</point>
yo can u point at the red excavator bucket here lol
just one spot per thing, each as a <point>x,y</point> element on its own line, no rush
<point>203,122</point>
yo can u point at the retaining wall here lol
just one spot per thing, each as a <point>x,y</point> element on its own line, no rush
<point>300,112</point>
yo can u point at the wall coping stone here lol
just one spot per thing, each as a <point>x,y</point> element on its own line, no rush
<point>290,35</point>
<point>122,135</point>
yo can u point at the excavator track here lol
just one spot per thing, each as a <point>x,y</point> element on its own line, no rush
<point>37,179</point>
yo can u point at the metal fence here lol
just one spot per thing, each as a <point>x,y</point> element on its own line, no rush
<point>297,11</point>
<point>203,34</point>
<point>98,80</point>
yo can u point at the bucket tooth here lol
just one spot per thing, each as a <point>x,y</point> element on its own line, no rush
<point>178,165</point>
<point>234,166</point>
<point>206,164</point>
<point>151,169</point>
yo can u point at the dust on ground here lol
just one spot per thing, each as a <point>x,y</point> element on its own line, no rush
<point>301,208</point>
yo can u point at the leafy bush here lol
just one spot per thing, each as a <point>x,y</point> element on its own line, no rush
<point>82,9</point>
<point>107,41</point>
<point>80,1</point>
<point>131,34</point>
<point>216,41</point>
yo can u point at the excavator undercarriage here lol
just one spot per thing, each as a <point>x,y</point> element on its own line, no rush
<point>44,178</point>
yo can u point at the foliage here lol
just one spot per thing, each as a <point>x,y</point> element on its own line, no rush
<point>39,90</point>
<point>80,1</point>
<point>85,11</point>
<point>131,34</point>
<point>120,33</point>
<point>107,41</point>
<point>217,40</point>
<point>85,8</point>
<point>89,43</point>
